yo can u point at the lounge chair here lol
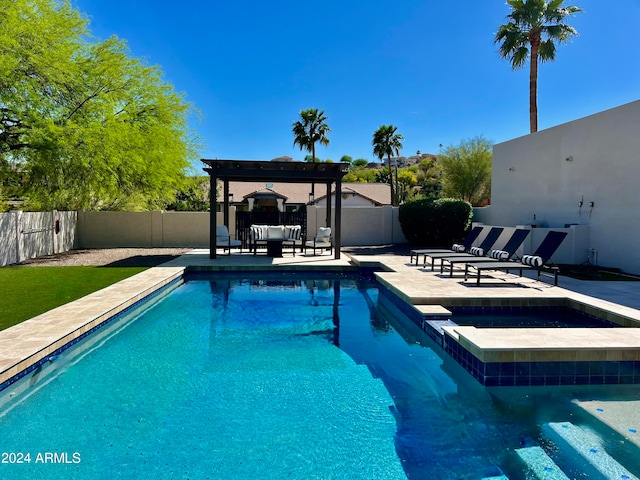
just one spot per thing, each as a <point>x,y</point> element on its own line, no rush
<point>503,254</point>
<point>322,241</point>
<point>484,246</point>
<point>538,261</point>
<point>463,247</point>
<point>224,241</point>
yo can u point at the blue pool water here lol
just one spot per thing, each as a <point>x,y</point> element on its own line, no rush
<point>267,379</point>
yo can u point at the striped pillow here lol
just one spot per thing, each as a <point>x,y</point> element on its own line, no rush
<point>458,247</point>
<point>532,260</point>
<point>499,255</point>
<point>477,251</point>
<point>257,232</point>
<point>295,231</point>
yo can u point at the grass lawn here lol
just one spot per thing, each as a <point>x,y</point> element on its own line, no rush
<point>30,291</point>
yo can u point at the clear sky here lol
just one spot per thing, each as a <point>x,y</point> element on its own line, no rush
<point>429,67</point>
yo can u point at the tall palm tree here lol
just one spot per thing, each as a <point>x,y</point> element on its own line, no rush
<point>311,129</point>
<point>534,26</point>
<point>386,142</point>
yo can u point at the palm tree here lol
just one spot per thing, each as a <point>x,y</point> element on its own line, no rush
<point>310,130</point>
<point>534,26</point>
<point>386,142</point>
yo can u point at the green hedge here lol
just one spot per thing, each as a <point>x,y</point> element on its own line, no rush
<point>435,223</point>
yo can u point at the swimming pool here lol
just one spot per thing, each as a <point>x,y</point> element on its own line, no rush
<point>235,378</point>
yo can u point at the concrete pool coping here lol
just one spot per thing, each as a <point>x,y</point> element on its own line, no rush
<point>24,345</point>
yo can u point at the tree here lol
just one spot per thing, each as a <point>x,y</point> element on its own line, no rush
<point>193,196</point>
<point>361,174</point>
<point>360,162</point>
<point>405,181</point>
<point>346,159</point>
<point>311,129</point>
<point>429,178</point>
<point>533,27</point>
<point>466,170</point>
<point>88,125</point>
<point>386,142</point>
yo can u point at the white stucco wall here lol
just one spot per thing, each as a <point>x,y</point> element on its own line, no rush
<point>593,159</point>
<point>361,226</point>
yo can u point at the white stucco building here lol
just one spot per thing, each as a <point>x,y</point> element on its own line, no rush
<point>585,173</point>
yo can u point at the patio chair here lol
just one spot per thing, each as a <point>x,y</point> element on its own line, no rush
<point>484,246</point>
<point>224,241</point>
<point>538,261</point>
<point>503,254</point>
<point>322,241</point>
<point>463,247</point>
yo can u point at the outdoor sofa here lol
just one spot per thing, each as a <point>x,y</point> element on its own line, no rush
<point>275,237</point>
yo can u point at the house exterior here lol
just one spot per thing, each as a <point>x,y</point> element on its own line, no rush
<point>267,196</point>
<point>583,175</point>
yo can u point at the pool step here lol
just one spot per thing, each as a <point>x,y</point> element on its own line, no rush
<point>585,449</point>
<point>434,317</point>
<point>539,464</point>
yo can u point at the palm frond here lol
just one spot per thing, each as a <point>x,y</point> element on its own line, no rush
<point>520,57</point>
<point>547,51</point>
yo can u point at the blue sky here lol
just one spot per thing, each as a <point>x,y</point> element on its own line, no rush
<point>429,67</point>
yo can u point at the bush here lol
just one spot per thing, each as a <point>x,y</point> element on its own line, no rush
<point>435,223</point>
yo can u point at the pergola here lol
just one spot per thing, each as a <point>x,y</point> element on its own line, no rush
<point>269,171</point>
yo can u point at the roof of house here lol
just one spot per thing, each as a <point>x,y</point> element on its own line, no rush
<point>377,193</point>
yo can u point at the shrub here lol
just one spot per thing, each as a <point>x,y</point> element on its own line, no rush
<point>435,223</point>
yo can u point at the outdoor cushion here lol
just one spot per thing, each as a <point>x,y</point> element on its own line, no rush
<point>222,232</point>
<point>458,247</point>
<point>532,260</point>
<point>323,234</point>
<point>477,251</point>
<point>275,232</point>
<point>258,232</point>
<point>293,232</point>
<point>499,255</point>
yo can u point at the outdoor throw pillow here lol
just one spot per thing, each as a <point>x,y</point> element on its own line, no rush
<point>499,255</point>
<point>323,233</point>
<point>275,231</point>
<point>532,260</point>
